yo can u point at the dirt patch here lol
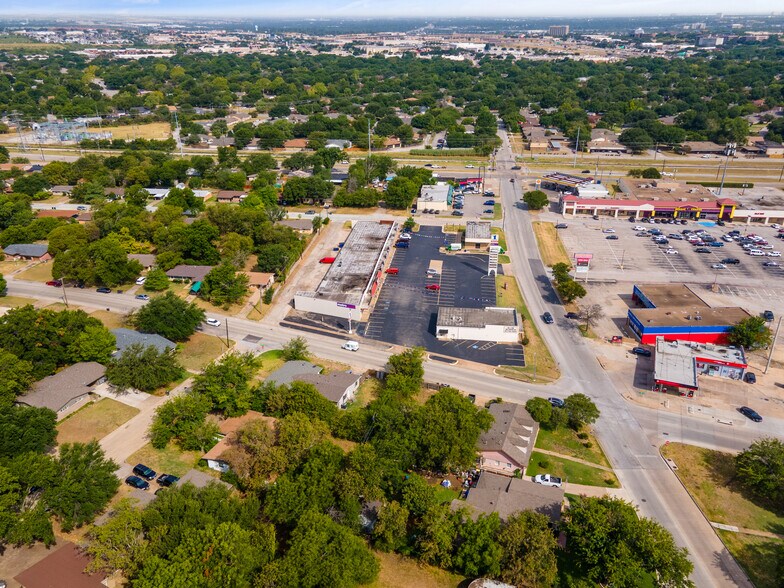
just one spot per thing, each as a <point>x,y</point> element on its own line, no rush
<point>397,570</point>
<point>131,132</point>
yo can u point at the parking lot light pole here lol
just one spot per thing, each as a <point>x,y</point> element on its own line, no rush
<point>773,346</point>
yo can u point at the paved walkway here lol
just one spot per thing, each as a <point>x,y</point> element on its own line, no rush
<point>570,458</point>
<point>596,491</point>
<point>755,532</point>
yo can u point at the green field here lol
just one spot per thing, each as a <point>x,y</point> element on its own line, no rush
<point>570,471</point>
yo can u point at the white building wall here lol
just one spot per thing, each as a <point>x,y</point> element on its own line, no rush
<point>496,333</point>
<point>323,306</point>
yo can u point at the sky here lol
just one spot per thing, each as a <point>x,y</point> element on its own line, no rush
<point>383,8</point>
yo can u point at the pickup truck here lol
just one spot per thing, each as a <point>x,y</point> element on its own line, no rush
<point>548,480</point>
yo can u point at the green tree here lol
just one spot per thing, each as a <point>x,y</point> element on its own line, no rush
<point>540,409</point>
<point>478,552</point>
<point>118,544</point>
<point>390,531</point>
<point>751,333</point>
<point>570,290</point>
<point>323,553</point>
<point>529,550</point>
<point>85,483</point>
<point>235,249</point>
<point>298,397</point>
<point>561,272</point>
<point>169,316</point>
<point>180,418</point>
<point>535,199</point>
<point>95,343</point>
<point>156,281</point>
<point>26,429</point>
<point>67,237</point>
<point>581,410</point>
<point>254,456</point>
<point>112,266</point>
<point>225,285</point>
<point>436,534</point>
<point>760,468</point>
<point>405,373</point>
<point>143,367</point>
<point>16,376</point>
<point>400,193</point>
<point>295,350</point>
<point>226,383</point>
<point>3,286</point>
<point>636,139</point>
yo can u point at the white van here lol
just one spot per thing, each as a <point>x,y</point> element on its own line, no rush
<point>756,253</point>
<point>351,346</point>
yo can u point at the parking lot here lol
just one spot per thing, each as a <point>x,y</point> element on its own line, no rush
<point>632,257</point>
<point>405,312</point>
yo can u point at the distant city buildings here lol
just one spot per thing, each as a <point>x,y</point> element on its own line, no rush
<point>558,30</point>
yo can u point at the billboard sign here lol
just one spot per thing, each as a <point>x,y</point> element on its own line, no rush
<point>582,262</point>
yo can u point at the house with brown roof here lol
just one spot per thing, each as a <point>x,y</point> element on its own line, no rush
<point>65,389</point>
<point>507,496</point>
<point>260,280</point>
<point>227,196</point>
<point>56,213</point>
<point>295,144</point>
<point>64,566</point>
<point>147,260</point>
<point>228,427</point>
<point>61,190</point>
<point>507,446</point>
<point>392,143</point>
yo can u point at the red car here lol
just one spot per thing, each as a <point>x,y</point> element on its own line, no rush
<point>327,260</point>
<point>432,287</point>
<point>392,271</point>
<point>56,283</point>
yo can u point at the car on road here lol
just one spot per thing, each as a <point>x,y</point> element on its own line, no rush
<point>469,166</point>
<point>768,315</point>
<point>432,272</point>
<point>750,378</point>
<point>561,226</point>
<point>142,297</point>
<point>585,171</point>
<point>612,237</point>
<point>392,271</point>
<point>310,212</point>
<point>488,211</point>
<point>432,287</point>
<point>702,250</point>
<point>671,251</point>
<point>750,413</point>
<point>142,470</point>
<point>137,482</point>
<point>548,318</point>
<point>641,351</point>
<point>104,290</point>
<point>56,283</point>
<point>771,264</point>
<point>516,167</point>
<point>457,213</point>
<point>167,479</point>
<point>718,266</point>
<point>402,244</point>
<point>489,203</point>
<point>548,480</point>
<point>350,346</point>
<point>556,402</point>
<point>730,261</point>
<point>213,322</point>
<point>81,207</point>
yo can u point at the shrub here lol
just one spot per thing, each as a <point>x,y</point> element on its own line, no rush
<point>587,444</point>
<point>609,481</point>
<point>526,341</point>
<point>544,463</point>
<point>582,435</point>
<point>268,294</point>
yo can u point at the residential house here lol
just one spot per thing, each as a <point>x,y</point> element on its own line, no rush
<point>192,273</point>
<point>127,337</point>
<point>260,280</point>
<point>289,372</point>
<point>392,143</point>
<point>772,149</point>
<point>536,139</point>
<point>117,192</point>
<point>228,427</point>
<point>507,446</point>
<point>295,144</point>
<point>339,387</point>
<point>84,217</point>
<point>56,213</point>
<point>506,496</point>
<point>147,260</point>
<point>64,566</point>
<point>226,196</point>
<point>39,252</point>
<point>604,141</point>
<point>65,389</point>
<point>702,147</point>
<point>301,225</point>
<point>61,190</point>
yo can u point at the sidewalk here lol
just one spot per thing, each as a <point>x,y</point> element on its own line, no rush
<point>575,459</point>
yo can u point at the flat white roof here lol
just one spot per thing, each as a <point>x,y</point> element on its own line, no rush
<point>434,192</point>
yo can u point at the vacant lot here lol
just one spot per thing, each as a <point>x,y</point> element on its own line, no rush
<point>41,272</point>
<point>397,570</point>
<point>566,442</point>
<point>709,478</point>
<point>94,421</point>
<point>539,364</point>
<point>550,246</point>
<point>200,350</point>
<point>149,131</point>
<point>166,461</point>
<point>570,471</point>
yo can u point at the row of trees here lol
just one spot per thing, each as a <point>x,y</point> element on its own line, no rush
<point>567,287</point>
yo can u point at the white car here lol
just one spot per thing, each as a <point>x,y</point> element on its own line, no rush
<point>608,231</point>
<point>775,225</point>
<point>469,166</point>
<point>405,236</point>
<point>755,252</point>
<point>548,480</point>
<point>672,252</point>
<point>639,228</point>
<point>773,254</point>
<point>213,322</point>
<point>766,246</point>
<point>718,266</point>
<point>140,281</point>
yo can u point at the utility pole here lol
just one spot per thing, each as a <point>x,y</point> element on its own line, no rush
<point>65,296</point>
<point>655,151</point>
<point>773,346</point>
<point>730,149</point>
<point>228,343</point>
<point>576,148</point>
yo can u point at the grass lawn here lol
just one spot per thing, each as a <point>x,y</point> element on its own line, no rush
<point>41,272</point>
<point>94,421</point>
<point>570,471</point>
<point>270,361</point>
<point>258,312</point>
<point>111,320</point>
<point>157,130</point>
<point>708,476</point>
<point>170,460</point>
<point>58,306</point>
<point>446,495</point>
<point>368,391</point>
<point>565,441</point>
<point>9,266</point>
<point>14,301</point>
<point>398,570</point>
<point>537,355</point>
<point>501,237</point>
<point>200,350</point>
<point>498,211</point>
<point>756,555</point>
<point>550,246</point>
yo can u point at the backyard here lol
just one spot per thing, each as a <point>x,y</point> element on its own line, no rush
<point>94,421</point>
<point>398,570</point>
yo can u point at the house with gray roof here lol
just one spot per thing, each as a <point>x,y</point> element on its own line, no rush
<point>146,259</point>
<point>127,337</point>
<point>506,496</point>
<point>291,371</point>
<point>28,251</point>
<point>193,273</point>
<point>338,387</point>
<point>506,447</point>
<point>65,389</point>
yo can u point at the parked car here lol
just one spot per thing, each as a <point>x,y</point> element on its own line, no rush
<point>432,287</point>
<point>671,252</point>
<point>327,260</point>
<point>457,213</point>
<point>142,470</point>
<point>167,479</point>
<point>140,281</point>
<point>489,203</point>
<point>392,271</point>
<point>641,351</point>
<point>488,211</point>
<point>768,315</point>
<point>773,254</point>
<point>137,482</point>
<point>556,402</point>
<point>548,480</point>
<point>572,315</point>
<point>750,413</point>
<point>402,244</point>
<point>561,226</point>
<point>213,322</point>
<point>489,193</point>
<point>142,297</point>
<point>431,272</point>
<point>608,231</point>
<point>104,290</point>
<point>702,250</point>
<point>770,264</point>
<point>750,378</point>
<point>405,236</point>
<point>56,283</point>
<point>516,167</point>
<point>548,318</point>
<point>612,237</point>
<point>730,261</point>
<point>718,266</point>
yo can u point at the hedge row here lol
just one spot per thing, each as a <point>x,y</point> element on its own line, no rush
<point>726,184</point>
<point>445,152</point>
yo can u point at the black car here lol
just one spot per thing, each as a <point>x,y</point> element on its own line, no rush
<point>749,378</point>
<point>143,471</point>
<point>612,237</point>
<point>750,413</point>
<point>556,402</point>
<point>137,482</point>
<point>702,250</point>
<point>768,314</point>
<point>516,167</point>
<point>730,261</point>
<point>561,226</point>
<point>167,479</point>
<point>457,213</point>
<point>641,351</point>
<point>721,223</point>
<point>548,318</point>
<point>572,315</point>
<point>104,290</point>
